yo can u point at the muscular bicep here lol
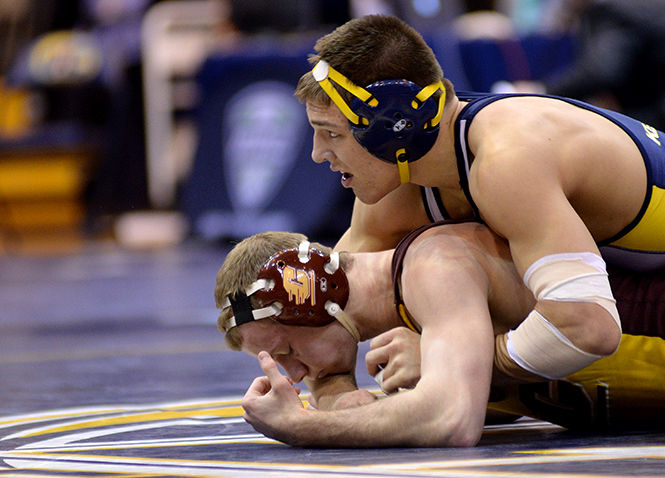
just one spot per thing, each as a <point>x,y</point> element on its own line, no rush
<point>537,218</point>
<point>526,202</point>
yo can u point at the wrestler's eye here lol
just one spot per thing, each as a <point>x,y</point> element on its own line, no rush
<point>288,353</point>
<point>333,134</point>
<point>281,264</point>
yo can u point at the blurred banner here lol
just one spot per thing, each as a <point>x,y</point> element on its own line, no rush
<point>253,170</point>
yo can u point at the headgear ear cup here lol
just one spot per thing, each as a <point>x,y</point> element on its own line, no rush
<point>303,288</point>
<point>395,120</point>
<point>395,126</point>
<point>300,286</point>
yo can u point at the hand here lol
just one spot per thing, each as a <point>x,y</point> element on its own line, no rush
<point>272,402</point>
<point>397,354</point>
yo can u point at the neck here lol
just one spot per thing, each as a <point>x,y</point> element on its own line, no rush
<point>371,299</point>
<point>438,168</point>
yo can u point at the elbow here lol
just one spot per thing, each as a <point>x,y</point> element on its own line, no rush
<point>460,431</point>
<point>601,334</point>
<point>464,435</point>
<point>609,343</point>
<point>589,326</point>
<point>465,440</point>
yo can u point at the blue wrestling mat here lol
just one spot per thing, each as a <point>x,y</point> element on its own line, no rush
<point>111,366</point>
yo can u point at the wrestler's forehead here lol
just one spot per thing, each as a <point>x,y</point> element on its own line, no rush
<point>259,335</point>
<point>325,115</point>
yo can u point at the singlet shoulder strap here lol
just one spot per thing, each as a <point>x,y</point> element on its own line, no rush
<point>433,204</point>
<point>477,101</point>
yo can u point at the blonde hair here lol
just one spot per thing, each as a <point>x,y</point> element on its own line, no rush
<point>241,268</point>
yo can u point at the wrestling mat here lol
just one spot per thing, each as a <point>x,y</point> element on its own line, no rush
<point>111,366</point>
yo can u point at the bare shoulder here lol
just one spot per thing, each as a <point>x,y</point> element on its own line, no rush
<point>448,268</point>
<point>526,122</point>
<point>455,266</point>
<point>471,240</point>
<point>381,226</point>
<point>534,154</point>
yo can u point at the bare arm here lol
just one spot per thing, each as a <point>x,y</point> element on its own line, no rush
<point>532,211</point>
<point>381,226</point>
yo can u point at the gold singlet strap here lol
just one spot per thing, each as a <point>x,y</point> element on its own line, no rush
<point>405,318</point>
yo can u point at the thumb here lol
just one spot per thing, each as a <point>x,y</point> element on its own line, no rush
<point>269,366</point>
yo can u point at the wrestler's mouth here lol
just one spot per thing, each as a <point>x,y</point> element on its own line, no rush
<point>346,179</point>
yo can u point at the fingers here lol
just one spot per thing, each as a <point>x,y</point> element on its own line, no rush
<point>384,338</point>
<point>259,386</point>
<point>394,358</point>
<point>274,376</point>
<point>376,359</point>
<point>386,346</point>
<point>269,366</point>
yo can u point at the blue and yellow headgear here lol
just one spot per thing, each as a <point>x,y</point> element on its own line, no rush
<point>395,120</point>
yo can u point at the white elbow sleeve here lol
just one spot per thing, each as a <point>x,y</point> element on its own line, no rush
<point>537,345</point>
<point>572,277</point>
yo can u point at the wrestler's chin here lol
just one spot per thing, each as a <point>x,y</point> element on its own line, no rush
<point>366,198</point>
<point>372,196</point>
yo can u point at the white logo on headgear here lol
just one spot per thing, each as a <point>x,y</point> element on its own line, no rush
<point>399,126</point>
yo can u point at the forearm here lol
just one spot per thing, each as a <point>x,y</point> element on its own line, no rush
<point>573,334</point>
<point>430,415</point>
<point>344,243</point>
<point>358,241</point>
<point>574,322</point>
<point>396,421</point>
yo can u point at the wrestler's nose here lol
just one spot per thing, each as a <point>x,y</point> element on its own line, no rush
<point>294,368</point>
<point>320,153</point>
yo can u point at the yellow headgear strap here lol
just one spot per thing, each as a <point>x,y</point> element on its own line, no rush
<point>403,166</point>
<point>424,94</point>
<point>322,71</point>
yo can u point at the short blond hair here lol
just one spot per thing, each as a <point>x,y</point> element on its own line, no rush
<point>241,268</point>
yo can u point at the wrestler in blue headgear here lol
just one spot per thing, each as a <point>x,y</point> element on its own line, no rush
<point>395,120</point>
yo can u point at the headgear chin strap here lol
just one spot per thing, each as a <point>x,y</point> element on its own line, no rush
<point>300,286</point>
<point>395,120</point>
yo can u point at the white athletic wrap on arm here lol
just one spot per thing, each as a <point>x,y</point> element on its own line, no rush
<point>537,345</point>
<point>572,277</point>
